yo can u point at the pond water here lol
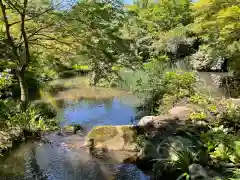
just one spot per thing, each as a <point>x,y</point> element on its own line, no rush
<point>65,158</point>
<point>210,83</point>
<point>89,113</point>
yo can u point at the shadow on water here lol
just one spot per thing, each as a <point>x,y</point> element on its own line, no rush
<point>64,159</point>
<point>34,161</point>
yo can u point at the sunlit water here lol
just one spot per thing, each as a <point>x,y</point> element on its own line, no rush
<point>89,113</point>
<point>64,158</point>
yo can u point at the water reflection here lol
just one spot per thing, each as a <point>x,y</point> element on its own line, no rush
<point>57,161</point>
<point>90,113</point>
<point>32,168</point>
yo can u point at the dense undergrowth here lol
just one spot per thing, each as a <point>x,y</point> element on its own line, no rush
<point>17,124</point>
<point>134,47</point>
<point>208,146</point>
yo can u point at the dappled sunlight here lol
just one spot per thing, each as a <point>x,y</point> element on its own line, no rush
<point>104,90</point>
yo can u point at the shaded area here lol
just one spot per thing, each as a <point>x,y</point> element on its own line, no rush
<point>63,160</point>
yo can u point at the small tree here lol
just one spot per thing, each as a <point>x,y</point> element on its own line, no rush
<point>96,28</point>
<point>26,25</point>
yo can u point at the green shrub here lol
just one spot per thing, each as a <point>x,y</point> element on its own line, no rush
<point>231,116</point>
<point>198,116</point>
<point>5,79</point>
<point>37,116</point>
<point>234,174</point>
<point>175,82</point>
<point>176,154</point>
<point>220,143</point>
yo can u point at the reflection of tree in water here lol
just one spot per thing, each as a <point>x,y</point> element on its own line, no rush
<point>60,103</point>
<point>32,169</point>
<point>11,166</point>
<point>93,103</point>
<point>88,171</point>
<point>108,104</point>
<point>130,172</point>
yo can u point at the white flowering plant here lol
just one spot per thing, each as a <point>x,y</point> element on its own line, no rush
<point>6,79</point>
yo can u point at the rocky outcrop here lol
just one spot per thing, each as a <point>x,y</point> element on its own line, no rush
<point>178,113</point>
<point>114,137</point>
<point>166,124</point>
<point>181,112</point>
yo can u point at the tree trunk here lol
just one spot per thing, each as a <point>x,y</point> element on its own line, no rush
<point>23,89</point>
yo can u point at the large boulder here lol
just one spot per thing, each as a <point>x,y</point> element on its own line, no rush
<point>165,125</point>
<point>113,137</point>
<point>146,119</point>
<point>181,112</point>
<point>158,125</point>
<point>156,121</point>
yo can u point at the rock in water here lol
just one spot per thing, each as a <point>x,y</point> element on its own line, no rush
<point>145,120</point>
<point>114,137</point>
<point>76,128</point>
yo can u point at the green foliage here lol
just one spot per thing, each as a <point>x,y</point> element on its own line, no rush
<point>220,143</point>
<point>235,174</point>
<point>198,116</point>
<point>177,81</point>
<point>140,142</point>
<point>235,157</point>
<point>99,38</point>
<point>161,15</point>
<point>37,116</point>
<point>231,117</point>
<point>165,87</point>
<point>177,43</point>
<point>224,15</point>
<point>220,137</point>
<point>176,155</point>
<point>5,79</point>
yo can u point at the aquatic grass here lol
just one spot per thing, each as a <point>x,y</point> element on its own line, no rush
<point>88,68</point>
<point>131,79</point>
<point>76,89</point>
<point>90,93</point>
<point>70,82</point>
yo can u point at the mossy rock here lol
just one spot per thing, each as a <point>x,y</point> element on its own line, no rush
<point>102,133</point>
<point>114,137</point>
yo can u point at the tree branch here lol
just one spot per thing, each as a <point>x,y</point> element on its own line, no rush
<point>24,34</point>
<point>54,39</point>
<point>40,29</point>
<point>13,6</point>
<point>33,17</point>
<point>7,26</point>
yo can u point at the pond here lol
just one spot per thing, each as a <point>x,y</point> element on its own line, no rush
<point>89,113</point>
<point>64,159</point>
